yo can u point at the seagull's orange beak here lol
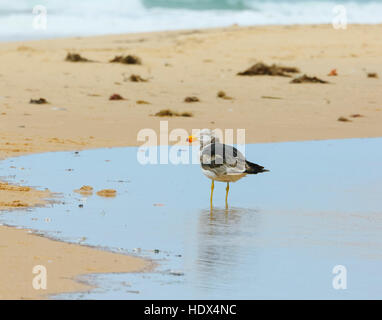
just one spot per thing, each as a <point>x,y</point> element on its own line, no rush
<point>191,139</point>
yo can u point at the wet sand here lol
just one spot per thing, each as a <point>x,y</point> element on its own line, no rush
<point>22,251</point>
<point>13,196</point>
<point>79,114</point>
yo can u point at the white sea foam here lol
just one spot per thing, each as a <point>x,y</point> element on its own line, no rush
<point>92,17</point>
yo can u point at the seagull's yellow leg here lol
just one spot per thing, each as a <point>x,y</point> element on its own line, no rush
<point>212,191</point>
<point>226,195</point>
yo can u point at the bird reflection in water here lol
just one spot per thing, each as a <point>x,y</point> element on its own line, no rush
<point>222,234</point>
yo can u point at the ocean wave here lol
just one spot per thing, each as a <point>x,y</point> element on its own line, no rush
<point>200,4</point>
<point>95,17</point>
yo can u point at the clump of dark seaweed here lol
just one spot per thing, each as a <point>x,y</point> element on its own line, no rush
<point>142,102</point>
<point>307,79</point>
<point>191,99</point>
<point>170,113</point>
<point>137,78</point>
<point>343,119</point>
<point>372,75</point>
<point>38,101</point>
<point>116,96</point>
<point>75,57</point>
<point>261,69</point>
<point>129,59</point>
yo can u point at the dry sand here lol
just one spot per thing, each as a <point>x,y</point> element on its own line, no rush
<point>189,63</point>
<point>177,65</point>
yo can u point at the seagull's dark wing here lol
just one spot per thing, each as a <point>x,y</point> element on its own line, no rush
<point>253,168</point>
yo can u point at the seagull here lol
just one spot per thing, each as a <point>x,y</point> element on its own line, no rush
<point>221,162</point>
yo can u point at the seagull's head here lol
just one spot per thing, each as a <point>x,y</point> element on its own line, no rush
<point>205,136</point>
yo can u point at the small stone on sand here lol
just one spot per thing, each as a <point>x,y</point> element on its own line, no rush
<point>223,95</point>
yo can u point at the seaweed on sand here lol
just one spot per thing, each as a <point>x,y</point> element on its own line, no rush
<point>262,69</point>
<point>75,57</point>
<point>129,59</point>
<point>307,79</point>
<point>170,113</point>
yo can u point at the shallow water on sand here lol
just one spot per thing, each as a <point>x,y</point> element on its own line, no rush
<point>285,231</point>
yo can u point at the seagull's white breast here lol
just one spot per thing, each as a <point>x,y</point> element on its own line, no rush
<point>223,178</point>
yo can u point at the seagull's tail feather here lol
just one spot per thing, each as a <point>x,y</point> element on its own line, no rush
<point>253,168</point>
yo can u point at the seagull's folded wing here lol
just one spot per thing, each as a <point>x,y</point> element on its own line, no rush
<point>222,159</point>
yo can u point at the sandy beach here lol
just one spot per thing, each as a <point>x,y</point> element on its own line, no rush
<point>174,65</point>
